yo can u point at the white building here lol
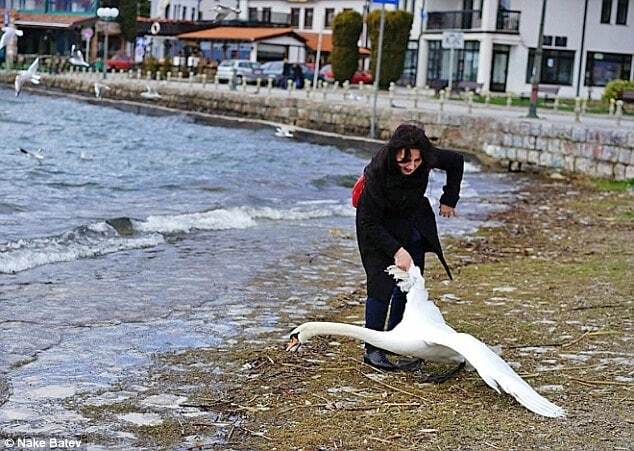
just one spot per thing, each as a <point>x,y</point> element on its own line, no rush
<point>586,42</point>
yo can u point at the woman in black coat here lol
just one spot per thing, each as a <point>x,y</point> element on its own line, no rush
<point>396,224</point>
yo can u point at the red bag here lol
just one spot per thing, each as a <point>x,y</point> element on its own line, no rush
<point>357,189</point>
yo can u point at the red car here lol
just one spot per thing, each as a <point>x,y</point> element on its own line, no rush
<point>358,77</point>
<point>120,62</point>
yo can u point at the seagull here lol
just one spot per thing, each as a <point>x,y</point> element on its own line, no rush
<point>27,75</point>
<point>151,93</point>
<point>284,131</point>
<point>76,58</point>
<point>9,32</point>
<point>423,333</point>
<point>35,155</point>
<point>100,88</point>
<point>223,11</point>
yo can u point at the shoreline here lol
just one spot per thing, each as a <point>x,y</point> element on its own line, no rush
<point>536,284</point>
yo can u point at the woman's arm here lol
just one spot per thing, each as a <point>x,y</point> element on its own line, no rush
<point>453,164</point>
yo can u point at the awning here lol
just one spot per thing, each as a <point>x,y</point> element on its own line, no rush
<point>34,20</point>
<point>312,41</point>
<point>240,34</point>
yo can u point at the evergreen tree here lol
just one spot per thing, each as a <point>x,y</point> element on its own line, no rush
<point>398,25</point>
<point>347,27</point>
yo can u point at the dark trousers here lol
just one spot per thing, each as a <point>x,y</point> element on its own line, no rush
<point>376,309</point>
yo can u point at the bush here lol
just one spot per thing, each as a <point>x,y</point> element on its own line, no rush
<point>395,38</point>
<point>614,89</point>
<point>347,27</point>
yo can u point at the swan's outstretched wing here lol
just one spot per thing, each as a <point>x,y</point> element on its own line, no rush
<point>32,70</point>
<point>493,370</point>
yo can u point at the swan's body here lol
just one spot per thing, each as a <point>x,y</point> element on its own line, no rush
<point>150,93</point>
<point>284,131</point>
<point>77,58</point>
<point>27,75</point>
<point>423,333</point>
<point>9,32</point>
<point>35,155</point>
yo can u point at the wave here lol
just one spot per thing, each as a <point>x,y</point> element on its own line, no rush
<point>119,234</point>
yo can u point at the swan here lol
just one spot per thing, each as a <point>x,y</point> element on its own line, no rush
<point>39,156</point>
<point>27,75</point>
<point>9,32</point>
<point>423,333</point>
<point>284,131</point>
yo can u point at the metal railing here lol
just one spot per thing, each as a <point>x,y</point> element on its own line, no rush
<point>454,20</point>
<point>508,20</point>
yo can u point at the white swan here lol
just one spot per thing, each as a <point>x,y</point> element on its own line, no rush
<point>27,75</point>
<point>77,58</point>
<point>423,333</point>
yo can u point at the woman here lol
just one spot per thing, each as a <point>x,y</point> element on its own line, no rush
<point>396,224</point>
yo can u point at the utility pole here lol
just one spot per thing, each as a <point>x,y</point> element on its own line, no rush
<point>537,66</point>
<point>581,50</point>
<point>377,73</point>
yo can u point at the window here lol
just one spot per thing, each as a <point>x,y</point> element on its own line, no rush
<point>547,40</point>
<point>329,17</point>
<point>606,11</point>
<point>466,67</point>
<point>308,18</point>
<point>266,15</point>
<point>561,41</point>
<point>184,16</point>
<point>621,12</point>
<point>602,68</point>
<point>557,67</point>
<point>253,14</point>
<point>193,13</point>
<point>295,17</point>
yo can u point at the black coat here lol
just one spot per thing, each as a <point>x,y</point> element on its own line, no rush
<point>393,205</point>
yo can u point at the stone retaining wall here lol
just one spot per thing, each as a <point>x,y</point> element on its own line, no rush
<point>570,148</point>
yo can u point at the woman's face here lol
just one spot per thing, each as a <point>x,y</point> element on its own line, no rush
<point>408,165</point>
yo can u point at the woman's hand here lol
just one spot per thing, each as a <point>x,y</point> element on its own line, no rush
<point>402,259</point>
<point>446,211</point>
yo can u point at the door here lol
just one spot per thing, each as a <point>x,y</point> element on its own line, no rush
<point>499,67</point>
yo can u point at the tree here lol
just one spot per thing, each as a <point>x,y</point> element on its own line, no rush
<point>398,25</point>
<point>347,27</point>
<point>127,19</point>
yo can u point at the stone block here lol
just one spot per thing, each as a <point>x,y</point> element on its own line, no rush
<point>585,165</point>
<point>541,143</point>
<point>557,161</point>
<point>511,153</point>
<point>533,156</point>
<point>517,141</point>
<point>521,155</point>
<point>536,129</point>
<point>609,153</point>
<point>569,163</point>
<point>528,142</point>
<point>570,148</point>
<point>546,159</point>
<point>619,171</point>
<point>507,140</point>
<point>604,169</point>
<point>618,137</point>
<point>554,145</point>
<point>629,173</point>
<point>578,134</point>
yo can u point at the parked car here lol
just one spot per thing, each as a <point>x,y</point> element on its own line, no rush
<point>250,71</point>
<point>120,62</point>
<point>358,77</point>
<point>282,71</point>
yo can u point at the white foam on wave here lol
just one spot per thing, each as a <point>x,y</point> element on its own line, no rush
<point>26,254</point>
<point>238,217</point>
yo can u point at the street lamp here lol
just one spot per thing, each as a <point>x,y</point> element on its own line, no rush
<point>537,67</point>
<point>107,14</point>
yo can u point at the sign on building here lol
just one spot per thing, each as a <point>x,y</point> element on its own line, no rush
<point>453,40</point>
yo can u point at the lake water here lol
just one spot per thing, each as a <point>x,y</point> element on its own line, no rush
<point>223,229</point>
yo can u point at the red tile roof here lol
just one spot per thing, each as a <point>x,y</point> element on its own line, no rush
<point>312,40</point>
<point>239,34</point>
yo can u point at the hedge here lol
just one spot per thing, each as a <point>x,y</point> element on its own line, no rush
<point>614,89</point>
<point>347,27</point>
<point>395,38</point>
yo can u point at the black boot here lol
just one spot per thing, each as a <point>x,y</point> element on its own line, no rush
<point>376,358</point>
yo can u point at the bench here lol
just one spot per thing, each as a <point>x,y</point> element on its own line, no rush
<point>543,91</point>
<point>627,95</point>
<point>438,84</point>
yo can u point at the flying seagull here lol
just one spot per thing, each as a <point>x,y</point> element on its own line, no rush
<point>27,75</point>
<point>76,57</point>
<point>223,11</point>
<point>423,333</point>
<point>284,131</point>
<point>9,32</point>
<point>35,155</point>
<point>150,93</point>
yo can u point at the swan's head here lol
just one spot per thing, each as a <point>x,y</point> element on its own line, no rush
<point>300,335</point>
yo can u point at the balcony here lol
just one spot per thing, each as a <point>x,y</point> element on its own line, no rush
<point>508,21</point>
<point>268,17</point>
<point>454,20</point>
<point>69,7</point>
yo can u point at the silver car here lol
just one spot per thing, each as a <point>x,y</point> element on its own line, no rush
<point>250,71</point>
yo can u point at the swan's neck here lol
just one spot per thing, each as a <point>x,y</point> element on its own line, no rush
<point>374,337</point>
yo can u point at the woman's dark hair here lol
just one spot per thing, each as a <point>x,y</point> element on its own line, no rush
<point>408,135</point>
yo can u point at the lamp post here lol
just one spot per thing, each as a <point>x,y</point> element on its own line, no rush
<point>108,15</point>
<point>537,66</point>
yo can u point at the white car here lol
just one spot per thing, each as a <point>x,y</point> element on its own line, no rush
<point>250,71</point>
